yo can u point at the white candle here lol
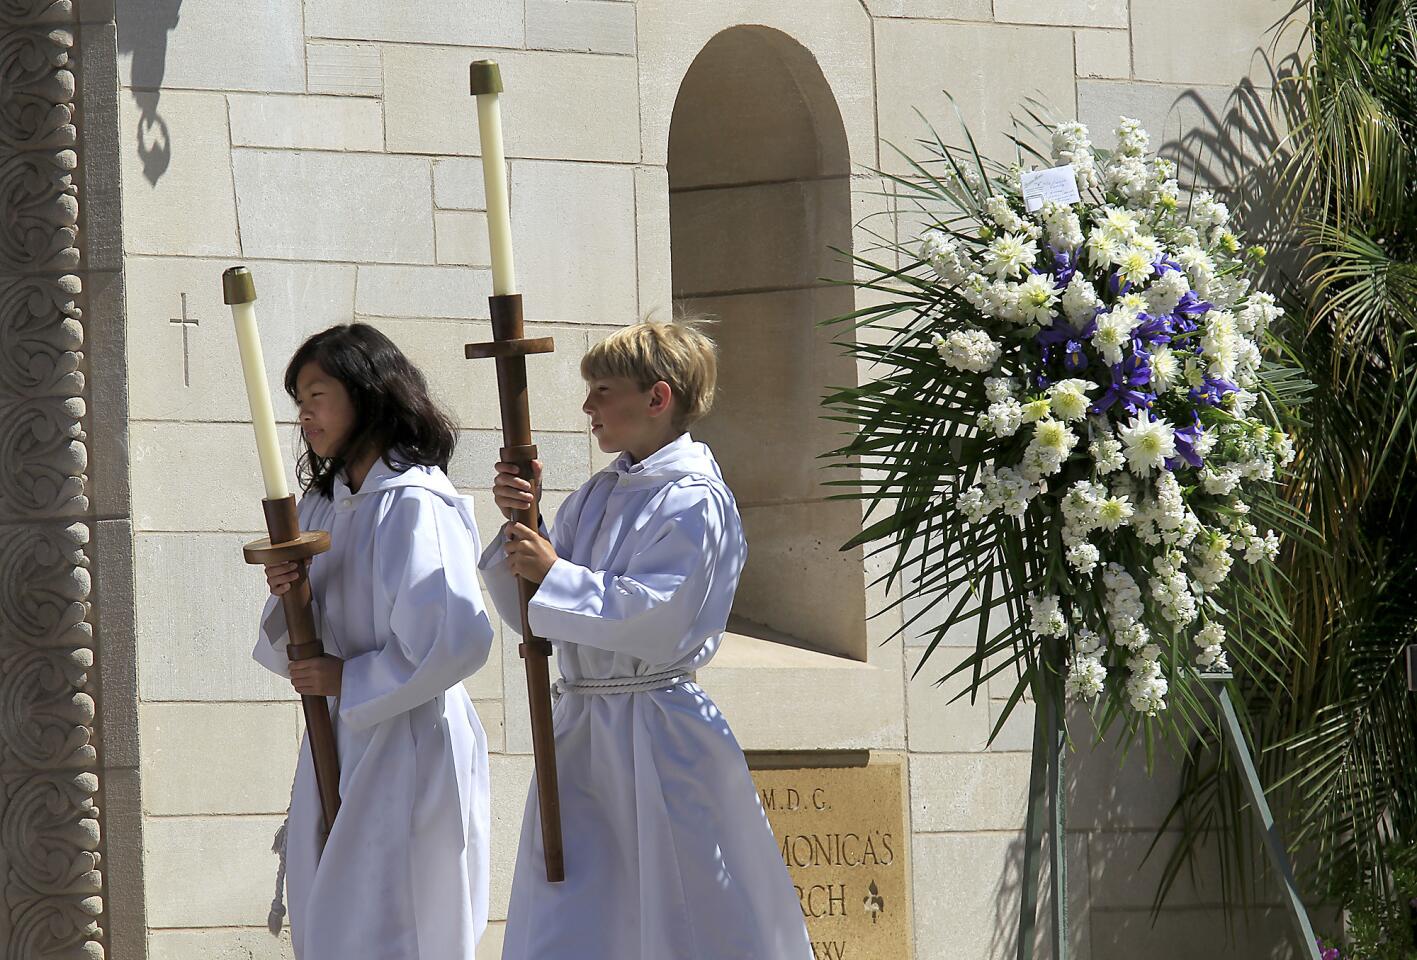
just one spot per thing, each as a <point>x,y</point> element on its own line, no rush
<point>487,86</point>
<point>241,294</point>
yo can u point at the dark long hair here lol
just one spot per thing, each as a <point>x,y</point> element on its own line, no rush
<point>393,412</point>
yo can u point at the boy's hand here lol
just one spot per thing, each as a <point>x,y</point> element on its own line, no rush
<point>529,554</point>
<point>511,492</point>
<point>280,577</point>
<point>317,677</point>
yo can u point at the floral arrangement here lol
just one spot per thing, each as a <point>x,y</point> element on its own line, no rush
<point>1079,411</point>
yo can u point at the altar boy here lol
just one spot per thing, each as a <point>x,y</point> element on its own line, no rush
<point>668,853</point>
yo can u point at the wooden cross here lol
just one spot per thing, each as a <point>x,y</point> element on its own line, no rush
<point>185,322</point>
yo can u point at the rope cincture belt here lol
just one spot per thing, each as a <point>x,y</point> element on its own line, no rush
<point>605,686</point>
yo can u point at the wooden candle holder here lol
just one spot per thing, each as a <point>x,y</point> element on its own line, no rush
<point>510,349</point>
<point>285,544</point>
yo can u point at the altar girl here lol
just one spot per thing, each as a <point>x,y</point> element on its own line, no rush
<point>403,874</point>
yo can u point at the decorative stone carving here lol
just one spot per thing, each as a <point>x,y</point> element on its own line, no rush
<point>50,882</point>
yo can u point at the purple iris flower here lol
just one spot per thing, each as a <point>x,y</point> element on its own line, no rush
<point>1127,376</point>
<point>1070,339</point>
<point>1192,305</point>
<point>1186,440</point>
<point>1212,391</point>
<point>1064,266</point>
<point>1153,329</point>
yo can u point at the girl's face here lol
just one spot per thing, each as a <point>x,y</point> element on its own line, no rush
<point>624,417</point>
<point>326,410</point>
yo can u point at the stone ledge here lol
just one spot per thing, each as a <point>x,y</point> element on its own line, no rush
<point>778,697</point>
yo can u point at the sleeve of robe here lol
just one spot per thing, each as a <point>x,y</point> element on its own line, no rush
<point>648,610</point>
<point>502,583</point>
<point>426,577</point>
<point>273,637</point>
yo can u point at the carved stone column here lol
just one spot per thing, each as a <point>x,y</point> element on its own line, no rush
<point>50,883</point>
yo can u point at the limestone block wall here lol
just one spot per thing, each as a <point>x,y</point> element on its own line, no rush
<point>331,146</point>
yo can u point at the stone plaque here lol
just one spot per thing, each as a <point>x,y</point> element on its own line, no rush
<point>841,832</point>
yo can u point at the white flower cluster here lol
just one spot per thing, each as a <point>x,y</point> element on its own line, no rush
<point>1118,343</point>
<point>968,350</point>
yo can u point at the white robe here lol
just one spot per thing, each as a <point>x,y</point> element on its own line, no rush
<point>669,855</point>
<point>404,873</point>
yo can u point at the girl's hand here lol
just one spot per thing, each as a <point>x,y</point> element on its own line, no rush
<point>511,492</point>
<point>281,576</point>
<point>317,677</point>
<point>529,554</point>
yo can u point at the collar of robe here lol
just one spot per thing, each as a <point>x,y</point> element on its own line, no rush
<point>681,457</point>
<point>382,478</point>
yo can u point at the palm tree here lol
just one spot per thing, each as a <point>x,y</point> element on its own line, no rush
<point>1342,724</point>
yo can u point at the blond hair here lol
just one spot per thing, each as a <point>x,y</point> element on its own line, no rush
<point>675,351</point>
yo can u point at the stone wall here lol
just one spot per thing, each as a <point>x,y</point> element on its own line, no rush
<point>331,146</point>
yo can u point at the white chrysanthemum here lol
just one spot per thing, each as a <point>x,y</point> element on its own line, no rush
<point>1148,443</point>
<point>1035,410</point>
<point>1069,398</point>
<point>1054,438</point>
<point>1199,267</point>
<point>971,350</point>
<point>1114,331</point>
<point>1102,250</point>
<point>1114,512</point>
<point>1119,225</point>
<point>1048,619</point>
<point>1149,245</point>
<point>1009,255</point>
<point>1080,300</point>
<point>1135,266</point>
<point>1165,369</point>
<point>1036,299</point>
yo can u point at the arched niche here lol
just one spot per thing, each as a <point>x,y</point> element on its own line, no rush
<point>760,205</point>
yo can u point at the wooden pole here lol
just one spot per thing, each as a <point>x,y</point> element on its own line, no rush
<point>510,350</point>
<point>287,543</point>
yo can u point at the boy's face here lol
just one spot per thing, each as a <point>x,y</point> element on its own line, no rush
<point>624,417</point>
<point>326,410</point>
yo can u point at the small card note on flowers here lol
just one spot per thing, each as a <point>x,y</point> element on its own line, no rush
<point>1059,184</point>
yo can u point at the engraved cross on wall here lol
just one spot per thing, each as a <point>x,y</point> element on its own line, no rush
<point>185,322</point>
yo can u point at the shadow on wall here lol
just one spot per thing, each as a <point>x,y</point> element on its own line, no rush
<point>143,26</point>
<point>1237,149</point>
